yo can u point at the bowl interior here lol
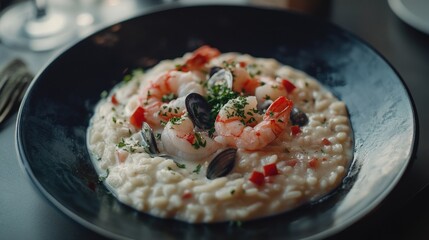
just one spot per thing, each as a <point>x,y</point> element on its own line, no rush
<point>54,116</point>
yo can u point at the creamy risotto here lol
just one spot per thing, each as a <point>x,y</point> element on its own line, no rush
<point>212,137</point>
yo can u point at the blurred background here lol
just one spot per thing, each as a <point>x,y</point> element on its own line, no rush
<point>35,31</point>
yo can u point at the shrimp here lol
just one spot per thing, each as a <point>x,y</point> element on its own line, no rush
<point>270,90</point>
<point>180,139</point>
<point>243,82</point>
<point>235,119</point>
<point>158,98</point>
<point>200,58</point>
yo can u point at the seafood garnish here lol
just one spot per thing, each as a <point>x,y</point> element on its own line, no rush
<point>222,164</point>
<point>148,139</point>
<point>198,111</point>
<point>221,77</point>
<point>298,117</point>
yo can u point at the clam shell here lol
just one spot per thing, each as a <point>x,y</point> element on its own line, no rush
<point>221,76</point>
<point>222,164</point>
<point>148,139</point>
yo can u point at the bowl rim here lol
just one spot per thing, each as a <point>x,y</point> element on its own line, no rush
<point>23,161</point>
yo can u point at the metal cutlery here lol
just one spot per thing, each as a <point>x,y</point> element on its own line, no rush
<point>14,80</point>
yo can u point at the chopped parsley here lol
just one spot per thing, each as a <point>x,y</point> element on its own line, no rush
<point>168,97</point>
<point>253,70</point>
<point>104,94</point>
<point>251,120</point>
<point>122,143</point>
<point>238,108</point>
<point>197,169</point>
<point>211,132</point>
<point>229,65</point>
<point>176,120</point>
<point>180,165</point>
<point>199,141</point>
<point>181,67</point>
<point>219,95</point>
<point>136,72</point>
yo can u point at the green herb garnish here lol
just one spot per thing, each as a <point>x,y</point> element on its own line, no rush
<point>180,165</point>
<point>176,120</point>
<point>199,141</point>
<point>168,97</point>
<point>197,169</point>
<point>219,95</point>
<point>122,143</point>
<point>136,72</point>
<point>104,94</point>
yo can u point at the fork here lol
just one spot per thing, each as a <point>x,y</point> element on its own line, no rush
<point>14,80</point>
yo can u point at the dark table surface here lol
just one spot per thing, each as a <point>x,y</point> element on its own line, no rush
<point>404,214</point>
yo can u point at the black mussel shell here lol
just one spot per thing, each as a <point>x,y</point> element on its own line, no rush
<point>222,164</point>
<point>298,117</point>
<point>149,141</point>
<point>222,76</point>
<point>199,111</point>
<point>214,70</point>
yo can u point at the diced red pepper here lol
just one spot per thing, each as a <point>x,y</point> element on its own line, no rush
<point>313,163</point>
<point>295,129</point>
<point>288,85</point>
<point>190,138</point>
<point>291,162</point>
<point>270,169</point>
<point>114,100</point>
<point>186,195</point>
<point>242,64</point>
<point>326,142</point>
<point>137,118</point>
<point>257,178</point>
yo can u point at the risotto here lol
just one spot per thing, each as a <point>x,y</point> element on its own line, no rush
<point>213,137</point>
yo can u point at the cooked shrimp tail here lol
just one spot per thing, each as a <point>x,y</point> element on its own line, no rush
<point>234,131</point>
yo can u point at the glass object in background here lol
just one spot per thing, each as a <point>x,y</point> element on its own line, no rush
<point>35,25</point>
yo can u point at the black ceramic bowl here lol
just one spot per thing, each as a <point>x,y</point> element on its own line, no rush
<point>54,115</point>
